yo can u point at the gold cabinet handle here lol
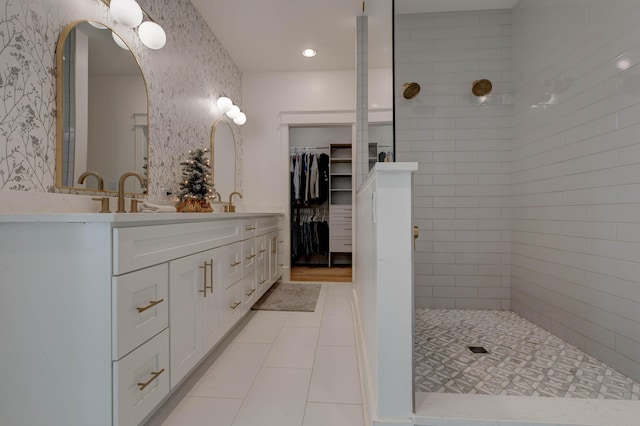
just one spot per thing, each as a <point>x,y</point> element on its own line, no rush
<point>281,241</point>
<point>150,305</point>
<point>273,251</point>
<point>205,286</point>
<point>154,376</point>
<point>282,264</point>
<point>348,244</point>
<point>263,281</point>
<point>251,257</point>
<point>250,228</point>
<point>251,292</point>
<point>262,251</point>
<point>348,229</point>
<point>235,263</point>
<point>235,305</point>
<point>416,234</point>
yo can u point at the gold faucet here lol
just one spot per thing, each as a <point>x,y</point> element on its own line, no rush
<point>230,208</point>
<point>216,195</point>
<point>123,178</point>
<point>94,174</point>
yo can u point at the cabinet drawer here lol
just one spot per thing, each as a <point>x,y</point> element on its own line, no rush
<point>340,218</point>
<point>340,246</point>
<point>231,264</point>
<point>248,257</point>
<point>249,228</point>
<point>340,230</point>
<point>267,224</point>
<point>148,365</point>
<point>140,307</point>
<point>249,291</point>
<point>142,246</point>
<point>341,210</point>
<point>231,305</point>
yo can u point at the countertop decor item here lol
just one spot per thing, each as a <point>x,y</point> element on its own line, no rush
<point>196,187</point>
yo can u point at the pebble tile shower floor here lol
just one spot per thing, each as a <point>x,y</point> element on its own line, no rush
<point>522,359</point>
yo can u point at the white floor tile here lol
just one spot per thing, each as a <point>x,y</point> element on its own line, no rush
<point>233,372</point>
<point>194,411</point>
<point>337,305</point>
<point>277,398</point>
<point>340,289</point>
<point>318,414</point>
<point>262,328</point>
<point>304,319</point>
<point>337,330</point>
<point>335,376</point>
<point>294,348</point>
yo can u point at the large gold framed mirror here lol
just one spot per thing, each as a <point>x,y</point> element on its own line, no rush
<point>223,157</point>
<point>102,111</point>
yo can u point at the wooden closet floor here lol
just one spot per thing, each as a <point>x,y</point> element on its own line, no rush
<point>321,274</point>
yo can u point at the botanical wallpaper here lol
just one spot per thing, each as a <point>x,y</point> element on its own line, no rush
<point>184,78</point>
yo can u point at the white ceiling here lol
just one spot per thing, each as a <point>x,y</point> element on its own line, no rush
<point>263,36</point>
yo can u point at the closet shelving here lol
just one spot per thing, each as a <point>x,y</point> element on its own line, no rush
<point>340,204</point>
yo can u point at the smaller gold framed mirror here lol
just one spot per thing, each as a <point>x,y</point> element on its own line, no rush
<point>223,157</point>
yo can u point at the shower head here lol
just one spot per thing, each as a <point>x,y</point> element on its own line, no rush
<point>482,87</point>
<point>410,90</point>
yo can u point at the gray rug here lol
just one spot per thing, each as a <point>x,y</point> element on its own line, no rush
<point>289,297</point>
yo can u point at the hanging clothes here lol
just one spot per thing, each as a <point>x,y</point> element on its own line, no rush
<point>309,233</point>
<point>323,179</point>
<point>309,177</point>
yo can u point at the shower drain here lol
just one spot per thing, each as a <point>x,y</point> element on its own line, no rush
<point>478,349</point>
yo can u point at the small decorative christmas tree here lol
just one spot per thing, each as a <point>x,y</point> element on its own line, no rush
<point>196,187</point>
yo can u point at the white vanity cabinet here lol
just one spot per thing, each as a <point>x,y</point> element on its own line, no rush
<point>103,316</point>
<point>195,286</point>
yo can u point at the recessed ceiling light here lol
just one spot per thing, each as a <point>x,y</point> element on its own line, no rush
<point>309,53</point>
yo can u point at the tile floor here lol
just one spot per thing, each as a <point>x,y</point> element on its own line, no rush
<point>283,369</point>
<point>523,359</point>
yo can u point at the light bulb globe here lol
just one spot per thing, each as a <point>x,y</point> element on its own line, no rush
<point>152,35</point>
<point>224,104</point>
<point>119,41</point>
<point>234,112</point>
<point>126,12</point>
<point>241,119</point>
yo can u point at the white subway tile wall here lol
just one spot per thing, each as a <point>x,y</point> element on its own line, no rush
<point>576,174</point>
<point>462,143</point>
<point>533,206</point>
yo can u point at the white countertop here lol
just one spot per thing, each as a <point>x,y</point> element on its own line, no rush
<point>123,218</point>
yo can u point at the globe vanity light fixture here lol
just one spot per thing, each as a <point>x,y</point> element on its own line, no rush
<point>226,106</point>
<point>130,14</point>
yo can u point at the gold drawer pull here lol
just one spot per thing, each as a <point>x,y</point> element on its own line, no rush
<point>348,229</point>
<point>235,263</point>
<point>348,244</point>
<point>251,292</point>
<point>282,264</point>
<point>263,281</point>
<point>154,375</point>
<point>273,251</point>
<point>250,228</point>
<point>150,305</point>
<point>251,257</point>
<point>235,305</point>
<point>262,251</point>
<point>281,241</point>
